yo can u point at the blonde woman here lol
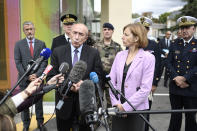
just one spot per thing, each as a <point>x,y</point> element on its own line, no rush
<point>132,73</point>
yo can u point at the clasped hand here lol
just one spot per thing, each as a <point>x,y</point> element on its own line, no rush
<point>181,82</point>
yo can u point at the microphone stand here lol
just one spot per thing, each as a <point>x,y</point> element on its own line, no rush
<point>104,114</point>
<point>146,121</point>
<point>61,102</point>
<point>91,119</point>
<point>18,82</point>
<point>159,111</point>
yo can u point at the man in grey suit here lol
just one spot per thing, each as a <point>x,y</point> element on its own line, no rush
<point>26,50</point>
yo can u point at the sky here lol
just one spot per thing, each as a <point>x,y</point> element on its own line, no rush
<point>156,6</point>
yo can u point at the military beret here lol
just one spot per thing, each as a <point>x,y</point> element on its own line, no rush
<point>108,25</point>
<point>186,21</point>
<point>144,21</point>
<point>68,19</point>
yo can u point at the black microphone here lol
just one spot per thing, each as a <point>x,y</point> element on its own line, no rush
<point>111,87</point>
<point>87,102</point>
<point>87,98</point>
<point>44,55</point>
<point>64,67</point>
<point>76,74</point>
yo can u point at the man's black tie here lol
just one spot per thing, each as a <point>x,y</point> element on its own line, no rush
<point>167,44</point>
<point>186,43</point>
<point>68,39</point>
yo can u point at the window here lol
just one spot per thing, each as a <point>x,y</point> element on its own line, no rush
<point>3,68</point>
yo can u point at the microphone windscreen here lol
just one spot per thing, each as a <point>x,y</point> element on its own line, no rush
<point>64,67</point>
<point>78,71</point>
<point>94,77</point>
<point>87,98</point>
<point>46,52</point>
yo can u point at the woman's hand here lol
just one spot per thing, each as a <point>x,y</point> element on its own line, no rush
<point>57,79</point>
<point>120,107</point>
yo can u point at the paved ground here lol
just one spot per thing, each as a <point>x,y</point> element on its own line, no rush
<point>159,121</point>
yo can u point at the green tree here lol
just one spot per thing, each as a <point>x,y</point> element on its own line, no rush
<point>190,8</point>
<point>163,17</point>
<point>155,20</point>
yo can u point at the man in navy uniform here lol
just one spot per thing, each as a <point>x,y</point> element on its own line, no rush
<point>153,49</point>
<point>67,20</point>
<point>182,65</point>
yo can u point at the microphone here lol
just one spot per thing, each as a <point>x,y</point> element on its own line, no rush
<point>95,79</point>
<point>87,102</point>
<point>42,77</point>
<point>111,87</point>
<point>44,55</point>
<point>64,67</point>
<point>87,98</point>
<point>76,74</point>
<point>46,71</point>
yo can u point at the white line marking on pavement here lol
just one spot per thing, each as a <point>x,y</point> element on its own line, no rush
<point>161,94</point>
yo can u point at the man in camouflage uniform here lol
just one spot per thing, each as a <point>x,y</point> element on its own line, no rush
<point>108,50</point>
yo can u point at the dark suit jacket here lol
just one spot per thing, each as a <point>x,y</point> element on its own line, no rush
<point>59,41</point>
<point>162,44</point>
<point>182,61</point>
<point>153,48</point>
<point>22,56</point>
<point>63,54</point>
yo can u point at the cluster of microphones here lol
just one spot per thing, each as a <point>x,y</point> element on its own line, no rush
<point>87,97</point>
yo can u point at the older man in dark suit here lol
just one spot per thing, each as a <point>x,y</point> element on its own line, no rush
<point>67,21</point>
<point>68,116</point>
<point>25,50</point>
